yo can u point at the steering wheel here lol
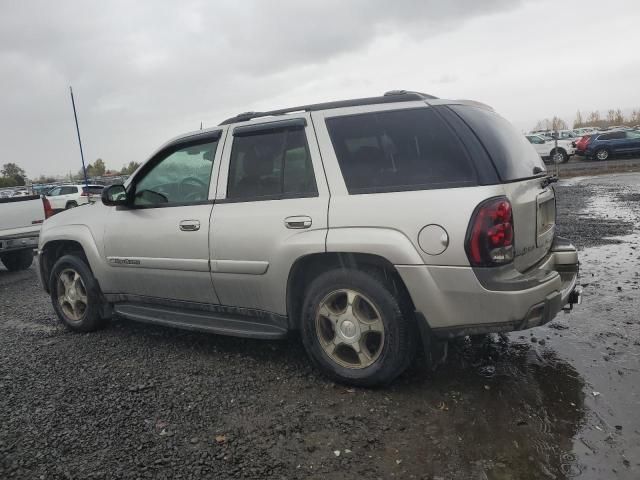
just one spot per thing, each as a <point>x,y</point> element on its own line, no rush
<point>188,193</point>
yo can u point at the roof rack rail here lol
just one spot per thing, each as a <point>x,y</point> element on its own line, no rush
<point>388,97</point>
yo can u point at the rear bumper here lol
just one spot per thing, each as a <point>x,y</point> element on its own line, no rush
<point>458,301</point>
<point>14,243</point>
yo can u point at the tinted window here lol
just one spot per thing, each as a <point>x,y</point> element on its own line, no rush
<point>68,190</point>
<point>634,135</point>
<point>399,150</point>
<point>93,189</point>
<point>54,192</point>
<point>181,176</point>
<point>512,154</point>
<point>271,164</point>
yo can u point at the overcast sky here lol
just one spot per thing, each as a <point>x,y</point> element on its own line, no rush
<point>145,71</point>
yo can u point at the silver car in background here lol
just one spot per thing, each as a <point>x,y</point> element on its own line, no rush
<point>372,226</point>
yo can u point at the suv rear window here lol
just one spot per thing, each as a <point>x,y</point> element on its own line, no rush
<point>511,152</point>
<point>397,150</point>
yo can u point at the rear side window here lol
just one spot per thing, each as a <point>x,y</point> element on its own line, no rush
<point>410,149</point>
<point>511,152</point>
<point>271,164</point>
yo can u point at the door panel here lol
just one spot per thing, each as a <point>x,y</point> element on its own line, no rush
<point>158,246</point>
<point>265,180</point>
<point>155,258</point>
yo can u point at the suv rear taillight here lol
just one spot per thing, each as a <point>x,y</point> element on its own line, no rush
<point>48,211</point>
<point>490,234</point>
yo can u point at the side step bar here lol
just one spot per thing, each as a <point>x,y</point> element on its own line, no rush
<point>205,321</point>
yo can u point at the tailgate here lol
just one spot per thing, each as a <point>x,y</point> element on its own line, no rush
<point>534,220</point>
<point>20,214</point>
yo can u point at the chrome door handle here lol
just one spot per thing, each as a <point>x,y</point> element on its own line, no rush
<point>299,221</point>
<point>189,225</point>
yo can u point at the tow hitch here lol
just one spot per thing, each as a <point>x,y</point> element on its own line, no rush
<point>575,298</point>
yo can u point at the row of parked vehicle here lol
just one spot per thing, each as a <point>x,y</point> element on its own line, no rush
<point>588,142</point>
<point>604,145</point>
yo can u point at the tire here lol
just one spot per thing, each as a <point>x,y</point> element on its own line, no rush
<point>386,354</point>
<point>16,261</point>
<point>70,310</point>
<point>559,156</point>
<point>71,205</point>
<point>602,154</point>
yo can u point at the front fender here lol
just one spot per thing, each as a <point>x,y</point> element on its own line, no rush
<point>80,234</point>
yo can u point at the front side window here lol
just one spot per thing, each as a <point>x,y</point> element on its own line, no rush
<point>271,164</point>
<point>181,177</point>
<point>410,149</point>
<point>54,192</point>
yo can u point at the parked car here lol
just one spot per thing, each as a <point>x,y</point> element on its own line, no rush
<point>581,145</point>
<point>547,150</point>
<point>619,142</point>
<point>64,197</point>
<point>21,219</point>
<point>369,225</point>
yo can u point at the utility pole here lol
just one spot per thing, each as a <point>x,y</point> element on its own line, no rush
<point>75,116</point>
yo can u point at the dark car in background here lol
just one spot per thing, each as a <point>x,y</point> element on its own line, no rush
<point>602,146</point>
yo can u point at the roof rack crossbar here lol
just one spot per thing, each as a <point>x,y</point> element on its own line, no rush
<point>389,97</point>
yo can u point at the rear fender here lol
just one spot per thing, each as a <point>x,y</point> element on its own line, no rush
<point>383,242</point>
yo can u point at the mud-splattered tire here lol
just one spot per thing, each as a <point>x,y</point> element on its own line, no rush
<point>357,313</point>
<point>75,295</point>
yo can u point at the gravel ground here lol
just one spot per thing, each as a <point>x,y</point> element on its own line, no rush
<point>137,401</point>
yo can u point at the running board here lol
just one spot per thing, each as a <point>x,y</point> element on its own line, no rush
<point>204,321</point>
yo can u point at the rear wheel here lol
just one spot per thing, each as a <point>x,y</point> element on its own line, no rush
<point>559,156</point>
<point>354,328</point>
<point>75,295</point>
<point>71,205</point>
<point>602,154</point>
<point>16,261</point>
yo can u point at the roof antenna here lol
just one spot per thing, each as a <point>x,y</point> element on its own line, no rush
<point>75,116</point>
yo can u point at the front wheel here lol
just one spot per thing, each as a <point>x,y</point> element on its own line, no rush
<point>355,330</point>
<point>75,295</point>
<point>602,154</point>
<point>16,261</point>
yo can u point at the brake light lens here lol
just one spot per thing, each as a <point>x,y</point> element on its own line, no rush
<point>48,211</point>
<point>490,234</point>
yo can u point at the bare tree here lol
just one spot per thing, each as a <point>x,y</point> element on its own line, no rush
<point>578,121</point>
<point>619,117</point>
<point>594,118</point>
<point>558,124</point>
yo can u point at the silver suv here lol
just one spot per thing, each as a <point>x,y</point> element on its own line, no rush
<point>372,226</point>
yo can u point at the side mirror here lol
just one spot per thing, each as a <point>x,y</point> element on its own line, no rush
<point>114,195</point>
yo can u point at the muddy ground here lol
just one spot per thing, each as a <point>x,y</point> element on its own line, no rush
<point>135,401</point>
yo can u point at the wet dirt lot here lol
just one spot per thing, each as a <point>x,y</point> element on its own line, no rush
<point>134,401</point>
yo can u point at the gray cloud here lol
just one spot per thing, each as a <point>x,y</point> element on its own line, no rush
<point>145,71</point>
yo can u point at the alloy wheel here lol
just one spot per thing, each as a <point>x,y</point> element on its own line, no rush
<point>72,295</point>
<point>350,329</point>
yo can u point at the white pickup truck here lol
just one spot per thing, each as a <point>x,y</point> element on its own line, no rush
<point>21,219</point>
<point>548,151</point>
